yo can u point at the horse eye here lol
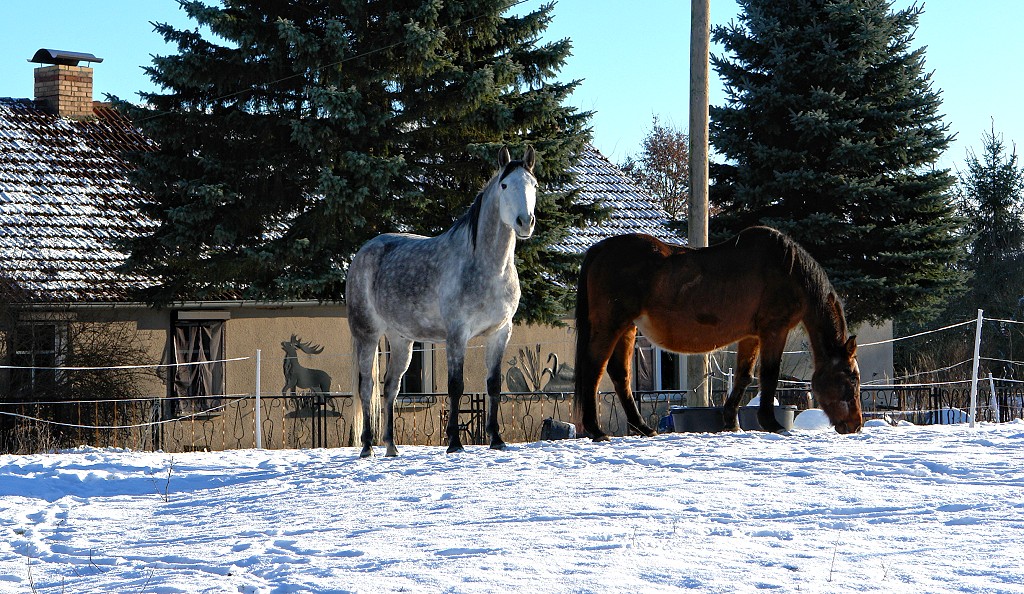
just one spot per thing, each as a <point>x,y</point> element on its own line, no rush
<point>504,186</point>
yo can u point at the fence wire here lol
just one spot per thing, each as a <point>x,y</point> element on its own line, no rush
<point>311,419</point>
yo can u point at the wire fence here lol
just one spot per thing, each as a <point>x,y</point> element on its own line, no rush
<point>312,419</point>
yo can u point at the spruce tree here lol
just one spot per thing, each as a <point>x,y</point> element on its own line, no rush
<point>991,199</point>
<point>288,133</point>
<point>831,132</point>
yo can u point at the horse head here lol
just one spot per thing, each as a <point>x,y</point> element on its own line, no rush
<point>836,385</point>
<point>517,192</point>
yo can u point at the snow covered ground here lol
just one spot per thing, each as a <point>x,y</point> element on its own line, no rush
<point>892,509</point>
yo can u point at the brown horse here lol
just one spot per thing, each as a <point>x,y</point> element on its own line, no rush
<point>752,289</point>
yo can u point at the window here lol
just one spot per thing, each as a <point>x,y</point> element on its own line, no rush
<point>655,369</point>
<point>671,370</point>
<point>38,347</point>
<point>643,364</point>
<point>199,345</point>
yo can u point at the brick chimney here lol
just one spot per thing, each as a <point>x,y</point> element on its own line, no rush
<point>62,86</point>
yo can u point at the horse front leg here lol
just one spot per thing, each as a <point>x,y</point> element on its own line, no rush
<point>746,355</point>
<point>401,356</point>
<point>771,364</point>
<point>495,353</point>
<point>456,387</point>
<point>620,371</point>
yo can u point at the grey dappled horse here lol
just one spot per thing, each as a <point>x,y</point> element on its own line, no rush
<point>452,288</point>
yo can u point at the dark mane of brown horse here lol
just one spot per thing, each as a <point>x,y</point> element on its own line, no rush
<point>822,298</point>
<point>750,290</point>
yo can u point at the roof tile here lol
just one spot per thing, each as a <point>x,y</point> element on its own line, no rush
<point>59,179</point>
<point>633,210</point>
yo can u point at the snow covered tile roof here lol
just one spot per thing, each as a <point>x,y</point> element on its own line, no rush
<point>633,210</point>
<point>65,198</point>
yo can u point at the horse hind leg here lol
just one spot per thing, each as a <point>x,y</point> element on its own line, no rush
<point>620,372</point>
<point>401,356</point>
<point>366,352</point>
<point>746,355</point>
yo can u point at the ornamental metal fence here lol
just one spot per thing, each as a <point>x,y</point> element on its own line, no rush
<point>314,420</point>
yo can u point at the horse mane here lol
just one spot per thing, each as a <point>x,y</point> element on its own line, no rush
<point>471,218</point>
<point>823,302</point>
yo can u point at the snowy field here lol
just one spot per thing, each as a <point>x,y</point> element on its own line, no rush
<point>893,509</point>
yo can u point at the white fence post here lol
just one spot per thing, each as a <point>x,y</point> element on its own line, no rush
<point>974,374</point>
<point>258,419</point>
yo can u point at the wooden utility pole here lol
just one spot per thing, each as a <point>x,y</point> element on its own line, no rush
<point>697,371</point>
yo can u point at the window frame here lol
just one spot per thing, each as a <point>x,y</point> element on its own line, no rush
<point>36,371</point>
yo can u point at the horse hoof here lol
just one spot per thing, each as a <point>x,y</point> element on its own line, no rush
<point>392,452</point>
<point>366,452</point>
<point>455,448</point>
<point>600,437</point>
<point>498,445</point>
<point>732,429</point>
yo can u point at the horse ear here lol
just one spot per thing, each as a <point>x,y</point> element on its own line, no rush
<point>503,157</point>
<point>851,346</point>
<point>530,158</point>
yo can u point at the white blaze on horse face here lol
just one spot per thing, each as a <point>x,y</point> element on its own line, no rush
<point>518,198</point>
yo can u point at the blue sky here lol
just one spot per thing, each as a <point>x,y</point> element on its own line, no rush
<point>634,62</point>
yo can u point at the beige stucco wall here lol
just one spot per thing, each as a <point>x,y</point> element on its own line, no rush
<point>533,349</point>
<point>538,359</point>
<point>530,359</point>
<point>265,328</point>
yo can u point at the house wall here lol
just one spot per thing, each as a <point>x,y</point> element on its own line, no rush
<point>266,328</point>
<point>538,360</point>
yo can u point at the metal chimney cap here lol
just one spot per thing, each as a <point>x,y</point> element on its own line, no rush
<point>62,57</point>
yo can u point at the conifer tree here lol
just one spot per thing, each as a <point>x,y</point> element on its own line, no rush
<point>288,133</point>
<point>831,133</point>
<point>991,200</point>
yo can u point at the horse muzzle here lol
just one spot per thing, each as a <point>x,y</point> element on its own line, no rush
<point>847,427</point>
<point>524,226</point>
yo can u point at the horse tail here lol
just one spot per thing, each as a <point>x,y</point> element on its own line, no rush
<point>584,364</point>
<point>375,407</point>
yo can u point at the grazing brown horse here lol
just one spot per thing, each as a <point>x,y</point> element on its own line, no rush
<point>752,289</point>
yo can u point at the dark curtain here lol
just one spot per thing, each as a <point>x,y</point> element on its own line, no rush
<point>199,344</point>
<point>643,363</point>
